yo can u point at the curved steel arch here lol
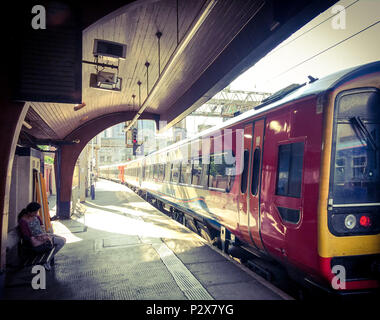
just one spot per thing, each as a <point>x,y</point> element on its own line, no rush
<point>67,155</point>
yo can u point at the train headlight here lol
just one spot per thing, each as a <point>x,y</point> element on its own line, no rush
<point>350,221</point>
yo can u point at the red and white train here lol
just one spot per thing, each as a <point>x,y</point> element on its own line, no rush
<point>296,179</point>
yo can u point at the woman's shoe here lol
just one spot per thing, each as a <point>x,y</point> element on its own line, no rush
<point>47,266</point>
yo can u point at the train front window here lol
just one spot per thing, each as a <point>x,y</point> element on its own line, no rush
<point>356,161</point>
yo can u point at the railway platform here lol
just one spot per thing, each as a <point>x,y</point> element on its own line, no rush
<point>119,247</point>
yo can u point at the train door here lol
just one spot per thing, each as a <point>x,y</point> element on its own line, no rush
<point>243,194</point>
<point>139,173</point>
<point>142,172</point>
<point>254,183</point>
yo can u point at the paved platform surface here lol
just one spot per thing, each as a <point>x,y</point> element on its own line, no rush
<point>120,247</point>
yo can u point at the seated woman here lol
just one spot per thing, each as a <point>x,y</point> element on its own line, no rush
<point>32,231</point>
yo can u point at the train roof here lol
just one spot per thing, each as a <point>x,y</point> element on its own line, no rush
<point>313,88</point>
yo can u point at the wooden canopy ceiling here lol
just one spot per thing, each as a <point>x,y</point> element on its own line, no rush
<point>204,45</point>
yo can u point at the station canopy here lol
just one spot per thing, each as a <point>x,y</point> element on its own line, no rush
<point>165,58</point>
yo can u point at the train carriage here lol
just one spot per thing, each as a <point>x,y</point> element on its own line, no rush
<point>296,179</point>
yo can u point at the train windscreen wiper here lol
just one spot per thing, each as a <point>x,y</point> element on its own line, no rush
<point>358,123</point>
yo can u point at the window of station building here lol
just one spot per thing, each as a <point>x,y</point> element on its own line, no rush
<point>176,167</point>
<point>221,174</point>
<point>359,164</point>
<point>289,169</point>
<point>244,175</point>
<point>340,164</point>
<point>185,176</point>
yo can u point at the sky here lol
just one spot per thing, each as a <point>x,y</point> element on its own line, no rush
<point>315,49</point>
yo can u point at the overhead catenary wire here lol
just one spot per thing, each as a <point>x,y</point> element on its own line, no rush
<point>325,50</point>
<point>309,30</point>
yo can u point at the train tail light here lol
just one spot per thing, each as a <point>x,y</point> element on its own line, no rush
<point>365,221</point>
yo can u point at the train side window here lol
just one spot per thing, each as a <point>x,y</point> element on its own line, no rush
<point>147,171</point>
<point>220,172</point>
<point>171,171</point>
<point>205,175</point>
<point>244,175</point>
<point>196,173</point>
<point>185,173</point>
<point>289,169</point>
<point>214,179</point>
<point>255,171</point>
<point>168,167</point>
<point>161,171</point>
<point>175,171</point>
<point>151,172</point>
<point>155,171</point>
